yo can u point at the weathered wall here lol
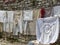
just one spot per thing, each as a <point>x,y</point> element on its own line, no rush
<point>26,4</point>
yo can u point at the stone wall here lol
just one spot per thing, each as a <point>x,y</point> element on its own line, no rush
<point>26,4</point>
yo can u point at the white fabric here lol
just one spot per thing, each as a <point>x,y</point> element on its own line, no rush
<point>28,15</point>
<point>47,30</point>
<point>18,27</point>
<point>56,10</point>
<point>10,16</point>
<point>25,27</point>
<point>49,12</point>
<point>20,24</point>
<point>5,20</point>
<point>16,30</point>
<point>2,13</point>
<point>7,27</point>
<point>8,21</point>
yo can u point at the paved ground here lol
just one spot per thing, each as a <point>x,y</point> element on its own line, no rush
<point>4,42</point>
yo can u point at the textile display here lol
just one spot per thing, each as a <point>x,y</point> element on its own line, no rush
<point>49,12</point>
<point>10,16</point>
<point>16,29</point>
<point>36,14</point>
<point>25,27</point>
<point>17,23</point>
<point>2,13</point>
<point>28,15</point>
<point>5,22</point>
<point>47,30</point>
<point>32,25</point>
<point>20,22</point>
<point>56,10</point>
<point>42,12</point>
<point>8,21</point>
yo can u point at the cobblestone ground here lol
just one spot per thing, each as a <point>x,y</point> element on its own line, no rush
<point>4,42</point>
<point>22,40</point>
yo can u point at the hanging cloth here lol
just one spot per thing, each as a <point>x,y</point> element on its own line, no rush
<point>2,19</point>
<point>27,17</point>
<point>47,30</point>
<point>20,20</point>
<point>16,29</point>
<point>10,16</point>
<point>17,22</point>
<point>10,20</point>
<point>56,11</point>
<point>42,12</point>
<point>2,13</point>
<point>49,12</point>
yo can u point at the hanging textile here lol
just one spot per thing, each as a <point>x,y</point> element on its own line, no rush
<point>2,13</point>
<point>17,22</point>
<point>10,16</point>
<point>27,16</point>
<point>42,12</point>
<point>47,30</point>
<point>20,20</point>
<point>5,22</point>
<point>10,20</point>
<point>32,25</point>
<point>49,12</point>
<point>15,26</point>
<point>56,10</point>
<point>36,14</point>
<point>16,29</point>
